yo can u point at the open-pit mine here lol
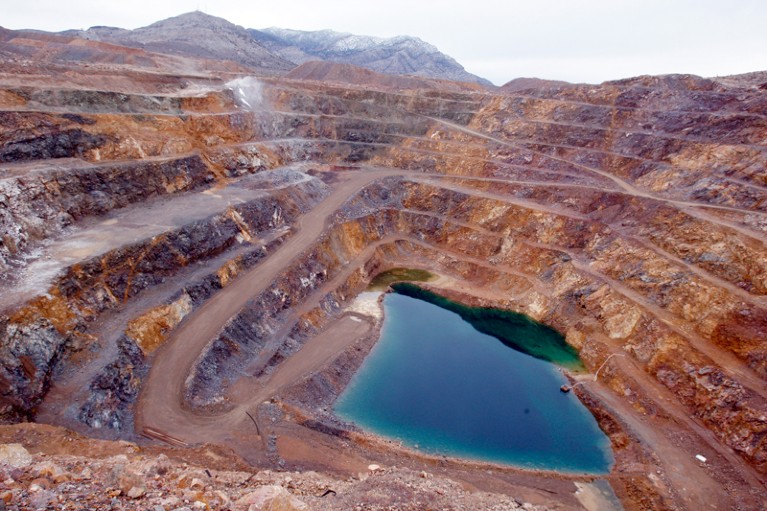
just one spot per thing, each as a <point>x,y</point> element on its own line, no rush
<point>186,245</point>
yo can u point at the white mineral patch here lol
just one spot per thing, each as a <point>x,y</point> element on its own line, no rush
<point>367,304</point>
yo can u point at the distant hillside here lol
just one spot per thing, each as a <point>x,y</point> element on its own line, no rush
<point>402,55</point>
<point>756,79</point>
<point>277,51</point>
<point>195,34</point>
<point>354,75</point>
<point>33,48</point>
<point>520,84</point>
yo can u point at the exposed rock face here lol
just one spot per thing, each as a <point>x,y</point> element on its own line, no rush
<point>35,339</point>
<point>29,352</point>
<point>631,216</point>
<point>40,201</point>
<point>115,389</point>
<point>67,143</point>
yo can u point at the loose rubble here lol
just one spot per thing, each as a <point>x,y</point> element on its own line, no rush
<point>158,483</point>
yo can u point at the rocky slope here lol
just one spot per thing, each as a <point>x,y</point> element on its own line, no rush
<point>182,254</point>
<point>195,34</point>
<point>276,51</point>
<point>331,72</point>
<point>124,476</point>
<point>402,55</point>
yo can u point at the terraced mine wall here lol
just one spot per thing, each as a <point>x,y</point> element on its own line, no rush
<point>629,216</point>
<point>36,335</point>
<point>41,202</point>
<point>538,258</point>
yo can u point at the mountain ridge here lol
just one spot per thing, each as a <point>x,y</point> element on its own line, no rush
<point>185,246</point>
<point>194,34</point>
<point>279,50</point>
<point>403,55</point>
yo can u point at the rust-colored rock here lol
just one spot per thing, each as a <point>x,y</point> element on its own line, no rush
<point>137,200</point>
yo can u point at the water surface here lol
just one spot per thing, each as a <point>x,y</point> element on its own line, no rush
<point>436,383</point>
<point>515,330</point>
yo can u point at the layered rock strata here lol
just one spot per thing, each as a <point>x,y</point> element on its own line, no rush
<point>631,216</point>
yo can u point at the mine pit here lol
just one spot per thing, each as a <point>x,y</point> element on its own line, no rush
<point>184,275</point>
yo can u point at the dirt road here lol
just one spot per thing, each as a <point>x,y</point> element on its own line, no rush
<point>160,404</point>
<point>161,409</point>
<point>314,354</point>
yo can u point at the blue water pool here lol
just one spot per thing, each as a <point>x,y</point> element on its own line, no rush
<point>437,383</point>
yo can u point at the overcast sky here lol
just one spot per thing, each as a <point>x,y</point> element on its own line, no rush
<point>574,40</point>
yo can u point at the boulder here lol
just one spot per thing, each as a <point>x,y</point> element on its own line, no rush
<point>15,455</point>
<point>270,498</point>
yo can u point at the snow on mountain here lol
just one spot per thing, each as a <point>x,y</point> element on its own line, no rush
<point>278,50</point>
<point>397,55</point>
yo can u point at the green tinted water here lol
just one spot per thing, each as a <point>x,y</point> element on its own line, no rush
<point>437,383</point>
<point>384,279</point>
<point>515,330</point>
